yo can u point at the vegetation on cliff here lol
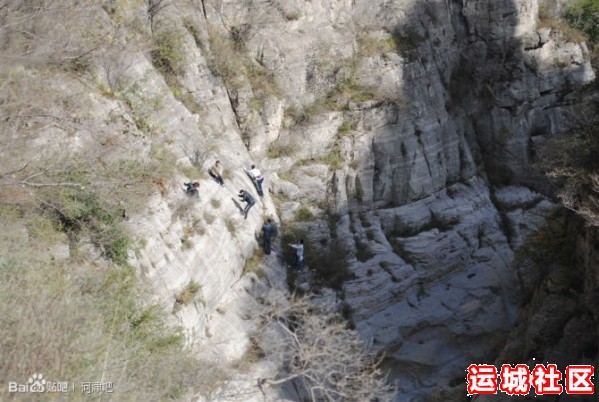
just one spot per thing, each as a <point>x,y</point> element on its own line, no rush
<point>571,158</point>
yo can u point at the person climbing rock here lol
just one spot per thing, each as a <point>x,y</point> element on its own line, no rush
<point>216,172</point>
<point>248,199</point>
<point>192,188</point>
<point>299,254</point>
<point>257,177</point>
<point>268,230</point>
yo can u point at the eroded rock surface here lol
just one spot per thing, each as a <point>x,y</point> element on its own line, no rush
<point>412,123</point>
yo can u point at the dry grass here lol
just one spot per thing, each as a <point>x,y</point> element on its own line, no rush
<point>567,32</point>
<point>79,319</point>
<point>230,62</point>
<point>209,217</point>
<point>304,214</point>
<point>253,355</point>
<point>278,150</point>
<point>41,33</point>
<point>252,264</point>
<point>371,45</point>
<point>65,311</point>
<point>189,294</point>
<point>215,202</point>
<point>231,227</point>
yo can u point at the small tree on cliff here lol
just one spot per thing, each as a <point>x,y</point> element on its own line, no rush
<point>330,361</point>
<point>571,160</point>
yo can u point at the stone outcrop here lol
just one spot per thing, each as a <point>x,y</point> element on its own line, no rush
<point>436,142</point>
<point>412,123</point>
<point>415,122</point>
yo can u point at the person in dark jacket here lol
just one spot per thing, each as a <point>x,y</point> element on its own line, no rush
<point>268,230</point>
<point>192,189</point>
<point>248,199</point>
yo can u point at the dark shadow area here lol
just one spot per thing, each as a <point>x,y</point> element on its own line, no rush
<point>498,103</point>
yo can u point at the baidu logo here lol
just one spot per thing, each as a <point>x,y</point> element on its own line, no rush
<point>38,384</point>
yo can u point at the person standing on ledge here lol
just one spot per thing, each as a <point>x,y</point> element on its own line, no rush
<point>268,229</point>
<point>248,199</point>
<point>299,254</point>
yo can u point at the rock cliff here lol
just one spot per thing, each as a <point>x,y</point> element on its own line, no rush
<point>405,128</point>
<point>433,109</point>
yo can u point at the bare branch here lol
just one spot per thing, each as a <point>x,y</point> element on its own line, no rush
<point>14,171</point>
<point>153,8</point>
<point>324,357</point>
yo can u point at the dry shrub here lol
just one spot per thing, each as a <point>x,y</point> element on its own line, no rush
<point>252,264</point>
<point>571,160</point>
<point>45,33</point>
<point>325,359</point>
<point>80,320</point>
<point>189,293</point>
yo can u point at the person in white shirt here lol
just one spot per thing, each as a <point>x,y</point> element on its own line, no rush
<point>299,254</point>
<point>256,175</point>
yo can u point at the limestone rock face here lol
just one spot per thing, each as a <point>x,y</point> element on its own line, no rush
<point>415,122</point>
<point>412,123</point>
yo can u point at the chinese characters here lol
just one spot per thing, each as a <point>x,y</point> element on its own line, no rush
<point>518,380</point>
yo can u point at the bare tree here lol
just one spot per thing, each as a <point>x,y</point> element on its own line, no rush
<point>322,354</point>
<point>48,32</point>
<point>242,20</point>
<point>570,158</point>
<point>153,8</point>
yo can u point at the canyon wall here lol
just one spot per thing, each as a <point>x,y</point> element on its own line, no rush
<point>402,130</point>
<point>413,124</point>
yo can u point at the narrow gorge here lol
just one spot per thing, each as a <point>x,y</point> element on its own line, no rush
<point>403,140</point>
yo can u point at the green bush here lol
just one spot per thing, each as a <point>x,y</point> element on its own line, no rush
<point>167,54</point>
<point>363,252</point>
<point>345,127</point>
<point>584,16</point>
<point>370,45</point>
<point>82,212</point>
<point>334,158</point>
<point>303,214</point>
<point>330,264</point>
<point>551,244</point>
<point>189,293</point>
<point>348,90</point>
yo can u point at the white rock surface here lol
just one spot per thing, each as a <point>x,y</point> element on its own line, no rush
<point>411,120</point>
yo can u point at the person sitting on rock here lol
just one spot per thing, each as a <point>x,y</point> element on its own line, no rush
<point>256,175</point>
<point>192,189</point>
<point>248,199</point>
<point>216,172</point>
